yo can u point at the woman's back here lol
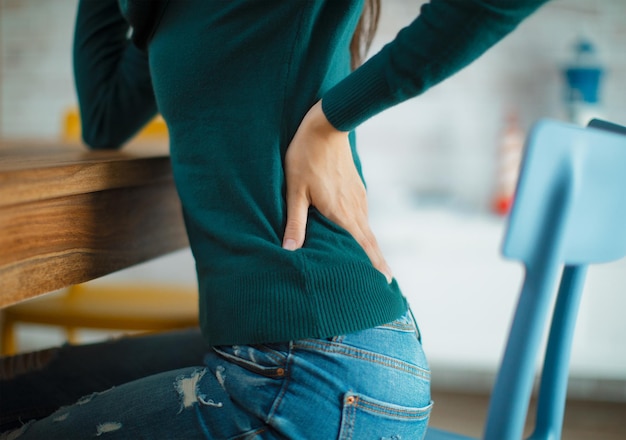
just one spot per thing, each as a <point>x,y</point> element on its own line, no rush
<point>233,80</point>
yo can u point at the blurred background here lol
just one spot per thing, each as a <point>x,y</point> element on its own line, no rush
<point>439,170</point>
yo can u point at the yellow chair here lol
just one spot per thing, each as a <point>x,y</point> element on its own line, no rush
<point>133,307</point>
<point>104,307</point>
<point>156,130</point>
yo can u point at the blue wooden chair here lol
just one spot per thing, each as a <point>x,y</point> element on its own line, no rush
<point>569,212</point>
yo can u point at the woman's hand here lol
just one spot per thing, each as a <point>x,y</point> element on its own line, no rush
<point>320,171</point>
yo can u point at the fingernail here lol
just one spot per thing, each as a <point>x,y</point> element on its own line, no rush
<point>289,244</point>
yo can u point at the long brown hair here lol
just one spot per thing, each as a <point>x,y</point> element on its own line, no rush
<point>364,32</point>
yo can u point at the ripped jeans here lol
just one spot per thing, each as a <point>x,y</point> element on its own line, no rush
<point>370,384</point>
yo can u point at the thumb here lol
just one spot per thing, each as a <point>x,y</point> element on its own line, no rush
<point>297,213</point>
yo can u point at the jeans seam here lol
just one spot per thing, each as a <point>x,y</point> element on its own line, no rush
<point>283,389</point>
<point>276,356</point>
<point>271,372</point>
<point>368,356</point>
<point>249,434</point>
<point>398,326</point>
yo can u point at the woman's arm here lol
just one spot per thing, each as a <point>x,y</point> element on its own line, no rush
<point>112,76</point>
<point>445,37</point>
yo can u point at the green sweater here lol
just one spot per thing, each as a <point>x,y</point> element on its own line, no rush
<point>233,79</point>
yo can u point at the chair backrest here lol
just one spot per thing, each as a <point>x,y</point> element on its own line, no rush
<point>574,176</point>
<point>569,210</point>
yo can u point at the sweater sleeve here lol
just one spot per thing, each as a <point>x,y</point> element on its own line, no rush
<point>111,75</point>
<point>445,37</point>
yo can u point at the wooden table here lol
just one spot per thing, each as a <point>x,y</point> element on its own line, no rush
<point>69,215</point>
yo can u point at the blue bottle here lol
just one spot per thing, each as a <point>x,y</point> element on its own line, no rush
<point>583,75</point>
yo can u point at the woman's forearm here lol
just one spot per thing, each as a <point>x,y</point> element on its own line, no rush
<point>112,77</point>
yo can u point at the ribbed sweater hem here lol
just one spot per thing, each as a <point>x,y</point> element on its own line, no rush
<point>277,307</point>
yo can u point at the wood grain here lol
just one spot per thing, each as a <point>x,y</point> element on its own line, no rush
<point>68,216</point>
<point>35,172</point>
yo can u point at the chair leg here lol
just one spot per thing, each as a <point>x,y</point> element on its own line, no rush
<point>9,338</point>
<point>553,387</point>
<point>71,334</point>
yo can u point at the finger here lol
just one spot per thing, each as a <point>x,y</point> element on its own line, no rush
<point>358,226</point>
<point>365,237</point>
<point>297,213</point>
<point>368,241</point>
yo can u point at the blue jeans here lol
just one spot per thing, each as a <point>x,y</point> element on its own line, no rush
<point>369,384</point>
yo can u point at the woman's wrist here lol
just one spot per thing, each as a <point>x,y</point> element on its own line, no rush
<point>317,121</point>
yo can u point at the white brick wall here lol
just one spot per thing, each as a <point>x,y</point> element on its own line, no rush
<point>444,142</point>
<point>35,66</point>
<point>445,139</point>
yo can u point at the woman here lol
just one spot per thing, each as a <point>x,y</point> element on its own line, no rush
<point>305,332</point>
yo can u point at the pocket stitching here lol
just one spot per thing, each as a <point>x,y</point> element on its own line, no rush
<point>271,372</point>
<point>388,409</point>
<point>353,403</point>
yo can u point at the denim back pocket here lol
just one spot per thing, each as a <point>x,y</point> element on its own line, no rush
<point>364,418</point>
<point>267,360</point>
